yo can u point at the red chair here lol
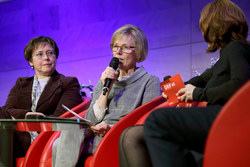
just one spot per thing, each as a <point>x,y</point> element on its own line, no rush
<point>36,148</point>
<point>109,144</point>
<point>46,155</point>
<point>228,143</point>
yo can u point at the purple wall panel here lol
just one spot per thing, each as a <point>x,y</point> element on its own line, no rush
<point>160,62</point>
<point>83,30</point>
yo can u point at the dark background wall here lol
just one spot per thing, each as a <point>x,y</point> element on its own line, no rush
<point>83,30</point>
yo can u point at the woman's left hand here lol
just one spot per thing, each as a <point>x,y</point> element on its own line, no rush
<point>186,94</point>
<point>37,114</point>
<point>101,129</point>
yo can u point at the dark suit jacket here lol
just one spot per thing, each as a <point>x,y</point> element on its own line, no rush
<point>59,90</point>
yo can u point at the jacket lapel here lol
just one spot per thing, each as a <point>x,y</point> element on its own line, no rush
<point>25,90</point>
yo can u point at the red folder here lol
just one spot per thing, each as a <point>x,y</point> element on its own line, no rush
<point>170,87</point>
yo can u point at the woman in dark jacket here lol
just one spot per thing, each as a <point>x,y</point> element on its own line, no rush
<point>44,93</point>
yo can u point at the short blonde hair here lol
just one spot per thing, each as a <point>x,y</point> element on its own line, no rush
<point>222,22</point>
<point>138,35</point>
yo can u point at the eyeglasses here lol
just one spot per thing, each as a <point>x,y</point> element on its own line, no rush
<point>49,53</point>
<point>124,49</point>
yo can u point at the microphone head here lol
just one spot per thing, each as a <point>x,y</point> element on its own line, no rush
<point>166,77</point>
<point>114,63</point>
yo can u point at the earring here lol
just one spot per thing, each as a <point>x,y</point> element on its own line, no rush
<point>32,67</point>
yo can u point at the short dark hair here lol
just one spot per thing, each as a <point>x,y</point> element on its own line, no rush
<point>222,22</point>
<point>33,44</point>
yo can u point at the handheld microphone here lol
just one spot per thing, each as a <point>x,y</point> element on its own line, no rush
<point>166,77</point>
<point>114,64</point>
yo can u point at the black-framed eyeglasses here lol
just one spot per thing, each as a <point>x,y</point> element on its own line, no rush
<point>124,49</point>
<point>49,53</point>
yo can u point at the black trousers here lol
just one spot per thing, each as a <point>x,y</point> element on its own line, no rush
<point>171,133</point>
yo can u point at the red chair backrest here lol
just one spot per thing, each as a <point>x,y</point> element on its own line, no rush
<point>228,143</point>
<point>144,117</point>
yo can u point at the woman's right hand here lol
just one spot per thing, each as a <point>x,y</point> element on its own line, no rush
<point>186,94</point>
<point>110,73</point>
<point>101,129</point>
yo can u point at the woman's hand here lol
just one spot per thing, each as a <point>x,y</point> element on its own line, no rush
<point>34,114</point>
<point>164,95</point>
<point>110,73</point>
<point>101,129</point>
<point>186,94</point>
